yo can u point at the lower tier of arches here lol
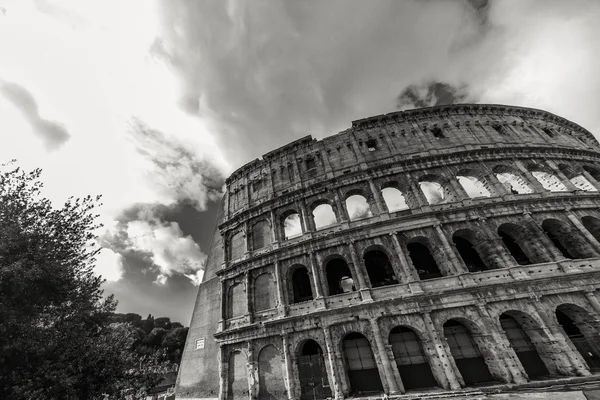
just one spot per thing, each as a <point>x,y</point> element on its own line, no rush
<point>513,341</point>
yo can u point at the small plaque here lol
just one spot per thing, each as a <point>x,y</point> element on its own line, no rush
<point>199,344</point>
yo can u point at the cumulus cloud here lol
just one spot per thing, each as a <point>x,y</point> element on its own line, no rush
<point>432,94</point>
<point>169,251</point>
<point>109,265</point>
<point>270,72</point>
<point>50,132</point>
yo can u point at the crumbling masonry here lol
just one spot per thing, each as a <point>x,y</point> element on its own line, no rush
<point>474,257</point>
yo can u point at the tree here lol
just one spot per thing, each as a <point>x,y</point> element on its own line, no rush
<point>56,339</point>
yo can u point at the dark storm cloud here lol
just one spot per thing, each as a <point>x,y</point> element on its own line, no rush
<point>51,133</point>
<point>432,94</point>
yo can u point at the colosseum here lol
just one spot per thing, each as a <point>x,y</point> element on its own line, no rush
<point>431,251</point>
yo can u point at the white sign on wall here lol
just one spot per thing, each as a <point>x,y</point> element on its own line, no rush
<point>199,344</point>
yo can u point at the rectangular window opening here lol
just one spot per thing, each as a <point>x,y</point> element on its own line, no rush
<point>500,129</point>
<point>371,144</point>
<point>548,132</point>
<point>437,132</point>
<point>310,163</point>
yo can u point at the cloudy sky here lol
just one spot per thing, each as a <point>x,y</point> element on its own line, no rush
<point>152,103</point>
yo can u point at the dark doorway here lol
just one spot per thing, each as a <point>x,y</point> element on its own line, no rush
<point>337,271</point>
<point>588,347</point>
<point>423,261</point>
<point>524,348</point>
<point>301,285</point>
<point>468,358</point>
<point>410,359</point>
<point>469,255</point>
<point>514,248</point>
<point>362,369</point>
<point>379,269</point>
<point>314,383</point>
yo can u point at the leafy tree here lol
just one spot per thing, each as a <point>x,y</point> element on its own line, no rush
<point>56,339</point>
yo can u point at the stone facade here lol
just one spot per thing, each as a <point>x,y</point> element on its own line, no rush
<point>475,258</point>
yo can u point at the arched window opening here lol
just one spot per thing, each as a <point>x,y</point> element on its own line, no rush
<point>314,383</point>
<point>549,181</point>
<point>323,216</point>
<point>514,248</point>
<point>358,207</point>
<point>339,278</point>
<point>362,369</point>
<point>379,269</point>
<point>466,353</point>
<point>582,183</point>
<point>524,348</point>
<point>271,385</point>
<point>567,239</point>
<point>474,186</point>
<point>261,235</point>
<point>292,226</point>
<point>434,192</point>
<point>423,261</point>
<point>411,360</point>
<point>584,338</point>
<point>514,183</point>
<point>592,224</point>
<point>469,255</point>
<point>394,199</point>
<point>237,246</point>
<point>237,304</point>
<point>301,285</point>
<point>264,292</point>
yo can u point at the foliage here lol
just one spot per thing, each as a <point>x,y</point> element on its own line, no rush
<point>56,339</point>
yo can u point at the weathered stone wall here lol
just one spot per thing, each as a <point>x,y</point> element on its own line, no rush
<point>519,239</point>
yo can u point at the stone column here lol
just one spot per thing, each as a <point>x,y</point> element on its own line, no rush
<point>502,350</point>
<point>391,374</point>
<point>444,360</point>
<point>593,300</point>
<point>578,366</point>
<point>275,228</point>
<point>250,303</point>
<point>457,266</point>
<point>341,213</point>
<point>461,193</point>
<point>247,239</point>
<point>418,194</point>
<point>379,202</point>
<point>531,180</point>
<point>306,221</point>
<point>224,315</point>
<point>588,235</point>
<point>314,271</point>
<point>223,373</point>
<point>591,179</point>
<point>289,375</point>
<point>498,186</point>
<point>358,272</point>
<point>563,178</point>
<point>333,365</point>
<point>252,366</point>
<point>408,272</point>
<point>281,306</point>
<point>550,248</point>
<point>496,245</point>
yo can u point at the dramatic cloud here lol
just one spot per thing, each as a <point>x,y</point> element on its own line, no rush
<point>431,94</point>
<point>268,72</point>
<point>52,133</point>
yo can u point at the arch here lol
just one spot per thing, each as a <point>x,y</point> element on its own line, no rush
<point>512,180</point>
<point>261,234</point>
<point>237,376</point>
<point>549,181</point>
<point>237,304</point>
<point>292,226</point>
<point>379,268</point>
<point>361,366</point>
<point>339,277</point>
<point>511,236</point>
<point>394,199</point>
<point>237,245</point>
<point>422,259</point>
<point>323,215</point>
<point>567,239</point>
<point>357,206</point>
<point>264,292</point>
<point>301,288</point>
<point>314,383</point>
<point>467,353</point>
<point>474,184</point>
<point>592,224</point>
<point>576,178</point>
<point>529,342</point>
<point>581,329</point>
<point>592,171</point>
<point>436,189</point>
<point>464,241</point>
<point>411,360</point>
<point>271,385</point>
<point>528,242</point>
